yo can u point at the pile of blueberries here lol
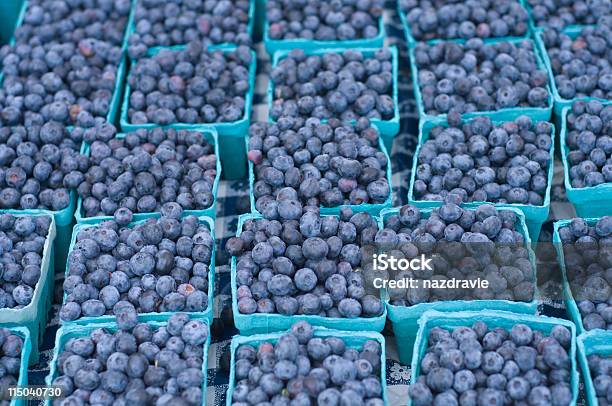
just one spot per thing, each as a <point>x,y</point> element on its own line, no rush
<point>64,62</point>
<point>305,264</point>
<point>145,170</point>
<point>494,366</point>
<point>601,373</point>
<point>344,84</point>
<point>463,244</point>
<point>560,13</point>
<point>137,364</point>
<point>327,164</point>
<point>11,346</point>
<point>480,161</point>
<point>22,240</point>
<point>320,20</point>
<point>478,76</point>
<point>303,369</point>
<point>581,65</point>
<point>440,19</point>
<point>39,166</point>
<point>587,251</point>
<point>589,139</point>
<point>162,23</point>
<point>159,265</point>
<point>190,86</point>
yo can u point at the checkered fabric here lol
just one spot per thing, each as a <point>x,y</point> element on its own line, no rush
<point>233,200</point>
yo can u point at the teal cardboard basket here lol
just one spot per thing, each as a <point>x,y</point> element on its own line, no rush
<point>22,381</point>
<point>373,209</point>
<point>560,103</point>
<point>535,216</point>
<point>260,19</point>
<point>114,102</point>
<point>534,27</point>
<point>570,302</point>
<point>65,333</point>
<point>352,339</point>
<point>233,155</point>
<point>404,319</point>
<point>226,45</point>
<point>593,201</point>
<point>206,314</point>
<point>64,219</point>
<point>211,137</point>
<point>590,344</point>
<point>411,41</point>
<point>493,319</point>
<point>274,45</point>
<point>507,114</point>
<point>35,315</point>
<point>11,16</point>
<point>261,323</point>
<point>388,128</point>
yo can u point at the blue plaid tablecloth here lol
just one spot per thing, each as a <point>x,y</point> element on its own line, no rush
<point>233,200</point>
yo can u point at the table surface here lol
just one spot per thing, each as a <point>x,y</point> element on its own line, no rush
<point>233,200</point>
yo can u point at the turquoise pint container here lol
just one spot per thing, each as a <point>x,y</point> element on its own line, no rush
<point>352,339</point>
<point>211,137</point>
<point>114,102</point>
<point>206,314</point>
<point>11,16</point>
<point>372,209</point>
<point>506,320</point>
<point>35,315</point>
<point>22,381</point>
<point>64,220</point>
<point>570,302</point>
<point>535,216</point>
<point>388,128</point>
<point>233,155</point>
<point>593,201</point>
<point>226,45</point>
<point>507,114</point>
<point>410,40</point>
<point>592,343</point>
<point>65,333</point>
<point>262,323</point>
<point>404,319</point>
<point>274,45</point>
<point>533,26</point>
<point>560,103</point>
